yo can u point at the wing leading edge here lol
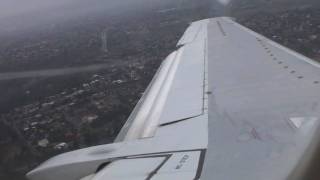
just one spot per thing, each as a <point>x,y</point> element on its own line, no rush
<point>225,105</point>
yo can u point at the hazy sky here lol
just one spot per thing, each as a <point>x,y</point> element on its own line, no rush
<point>15,7</point>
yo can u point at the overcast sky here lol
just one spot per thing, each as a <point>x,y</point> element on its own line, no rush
<point>15,7</point>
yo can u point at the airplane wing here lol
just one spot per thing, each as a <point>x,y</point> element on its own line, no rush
<point>228,104</point>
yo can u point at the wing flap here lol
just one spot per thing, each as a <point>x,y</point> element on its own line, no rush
<point>177,91</point>
<point>185,98</point>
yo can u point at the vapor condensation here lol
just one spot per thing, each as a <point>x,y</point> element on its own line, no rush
<point>224,2</point>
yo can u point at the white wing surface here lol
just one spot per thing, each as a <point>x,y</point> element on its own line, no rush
<point>229,104</point>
